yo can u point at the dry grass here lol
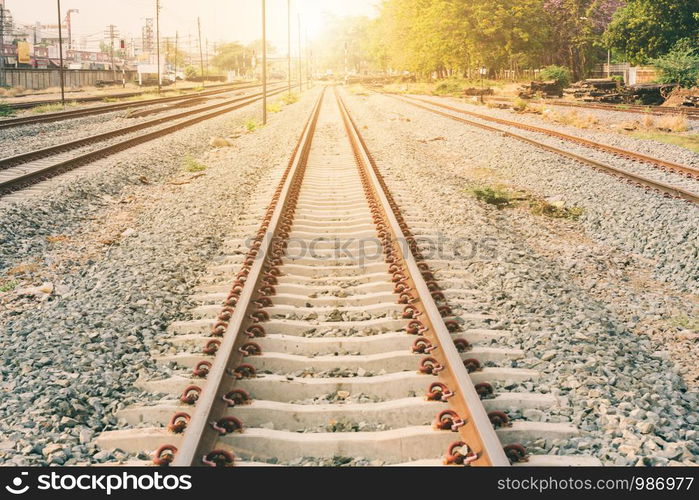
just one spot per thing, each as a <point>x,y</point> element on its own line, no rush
<point>57,238</point>
<point>53,108</point>
<point>573,118</point>
<point>554,210</point>
<point>12,92</point>
<point>23,268</point>
<point>672,123</point>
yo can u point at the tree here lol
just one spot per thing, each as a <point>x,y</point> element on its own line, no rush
<point>575,28</point>
<point>680,65</point>
<point>645,29</point>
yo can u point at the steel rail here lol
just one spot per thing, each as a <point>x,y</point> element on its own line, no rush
<point>690,113</point>
<point>677,167</point>
<point>21,158</point>
<point>645,182</point>
<point>121,95</point>
<point>199,437</point>
<point>108,108</point>
<point>14,183</point>
<point>478,433</point>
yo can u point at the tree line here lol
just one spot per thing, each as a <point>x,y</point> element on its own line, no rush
<point>456,37</point>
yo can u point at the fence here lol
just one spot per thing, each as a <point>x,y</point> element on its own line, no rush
<point>38,79</point>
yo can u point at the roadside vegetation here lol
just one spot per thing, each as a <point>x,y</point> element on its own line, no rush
<point>6,109</point>
<point>53,107</point>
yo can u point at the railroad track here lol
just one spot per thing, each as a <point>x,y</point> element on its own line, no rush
<point>690,113</point>
<point>22,170</point>
<point>109,108</point>
<point>121,95</point>
<point>312,347</point>
<point>683,187</point>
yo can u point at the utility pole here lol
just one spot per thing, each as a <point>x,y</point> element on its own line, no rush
<point>112,33</point>
<point>201,53</point>
<point>308,62</point>
<point>60,55</point>
<point>177,40</point>
<point>288,37</point>
<point>2,43</point>
<point>157,40</point>
<point>264,62</point>
<point>300,69</point>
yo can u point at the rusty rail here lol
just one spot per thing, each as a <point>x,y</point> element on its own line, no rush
<point>646,182</point>
<point>200,437</point>
<point>108,108</point>
<point>477,433</point>
<point>20,181</point>
<point>676,167</point>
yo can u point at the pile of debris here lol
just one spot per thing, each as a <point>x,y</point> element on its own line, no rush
<point>549,88</point>
<point>605,90</point>
<point>472,91</point>
<point>596,89</point>
<point>683,97</point>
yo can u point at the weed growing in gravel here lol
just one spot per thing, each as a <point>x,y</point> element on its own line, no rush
<point>274,107</point>
<point>5,109</point>
<point>251,125</point>
<point>686,323</point>
<point>493,196</point>
<point>358,90</point>
<point>8,286</point>
<point>52,108</point>
<point>192,165</point>
<point>290,98</point>
<point>520,105</point>
<point>554,210</point>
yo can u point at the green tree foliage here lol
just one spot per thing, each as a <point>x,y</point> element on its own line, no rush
<point>645,29</point>
<point>559,74</point>
<point>680,65</point>
<point>449,37</point>
<point>237,57</point>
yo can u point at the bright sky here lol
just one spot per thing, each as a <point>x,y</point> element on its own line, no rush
<point>221,20</point>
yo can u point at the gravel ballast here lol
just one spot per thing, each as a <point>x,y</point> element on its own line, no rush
<point>586,300</point>
<point>103,264</point>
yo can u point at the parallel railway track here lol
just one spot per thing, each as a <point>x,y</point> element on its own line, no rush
<point>690,113</point>
<point>645,181</point>
<point>109,108</point>
<point>21,170</point>
<point>295,349</point>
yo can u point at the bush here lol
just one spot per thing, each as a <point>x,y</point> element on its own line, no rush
<point>560,74</point>
<point>680,65</point>
<point>190,72</point>
<point>520,105</point>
